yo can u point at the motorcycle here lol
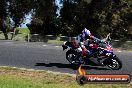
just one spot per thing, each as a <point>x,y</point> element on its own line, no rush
<point>102,54</point>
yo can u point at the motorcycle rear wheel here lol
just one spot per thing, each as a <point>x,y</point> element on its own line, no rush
<point>70,56</point>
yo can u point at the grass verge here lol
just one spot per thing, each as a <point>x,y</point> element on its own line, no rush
<point>21,34</point>
<point>16,78</point>
<point>23,30</point>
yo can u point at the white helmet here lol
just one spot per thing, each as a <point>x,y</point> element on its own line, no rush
<point>86,33</point>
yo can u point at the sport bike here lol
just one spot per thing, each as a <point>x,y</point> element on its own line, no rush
<point>101,54</point>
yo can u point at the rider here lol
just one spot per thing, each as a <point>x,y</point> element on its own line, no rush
<point>86,34</point>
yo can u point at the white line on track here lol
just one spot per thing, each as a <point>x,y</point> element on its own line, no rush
<point>44,45</point>
<point>119,51</point>
<point>56,46</point>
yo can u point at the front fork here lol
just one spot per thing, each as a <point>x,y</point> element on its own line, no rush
<point>108,59</point>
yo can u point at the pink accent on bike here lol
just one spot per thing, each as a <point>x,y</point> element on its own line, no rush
<point>109,48</point>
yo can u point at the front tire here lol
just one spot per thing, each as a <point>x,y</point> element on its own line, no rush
<point>114,63</point>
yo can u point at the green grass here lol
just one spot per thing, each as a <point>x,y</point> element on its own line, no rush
<point>15,82</point>
<point>2,36</point>
<point>21,34</point>
<point>20,37</point>
<point>16,78</point>
<point>23,30</point>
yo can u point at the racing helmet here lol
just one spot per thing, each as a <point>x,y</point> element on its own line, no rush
<point>86,33</point>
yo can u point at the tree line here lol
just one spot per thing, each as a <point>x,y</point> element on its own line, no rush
<point>99,16</point>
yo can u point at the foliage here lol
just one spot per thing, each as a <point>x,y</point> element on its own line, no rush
<point>18,9</point>
<point>3,15</point>
<point>99,16</point>
<point>45,14</point>
<point>115,18</point>
<point>35,26</point>
<point>15,10</point>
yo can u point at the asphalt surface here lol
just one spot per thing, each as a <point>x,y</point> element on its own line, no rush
<point>43,56</point>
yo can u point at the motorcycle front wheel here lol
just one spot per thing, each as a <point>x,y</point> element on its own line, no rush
<point>114,63</point>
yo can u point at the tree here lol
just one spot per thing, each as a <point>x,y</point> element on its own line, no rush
<point>3,12</point>
<point>14,9</point>
<point>46,11</point>
<point>115,17</point>
<point>77,14</point>
<point>100,16</point>
<point>18,9</point>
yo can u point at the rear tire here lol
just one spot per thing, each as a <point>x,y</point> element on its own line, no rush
<point>70,56</point>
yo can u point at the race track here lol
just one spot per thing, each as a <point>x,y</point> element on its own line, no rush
<point>43,56</point>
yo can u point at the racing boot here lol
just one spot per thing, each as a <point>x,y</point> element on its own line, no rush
<point>85,53</point>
